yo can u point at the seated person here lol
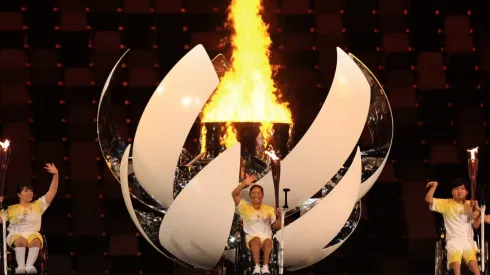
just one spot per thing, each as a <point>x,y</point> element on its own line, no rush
<point>460,216</point>
<point>25,223</point>
<point>257,219</point>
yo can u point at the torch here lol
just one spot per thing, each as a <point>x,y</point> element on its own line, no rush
<point>473,172</point>
<point>276,177</point>
<point>4,161</point>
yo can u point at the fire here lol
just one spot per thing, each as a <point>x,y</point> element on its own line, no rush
<point>5,145</point>
<point>473,152</point>
<point>247,92</point>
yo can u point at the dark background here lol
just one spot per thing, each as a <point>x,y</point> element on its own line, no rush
<point>433,59</point>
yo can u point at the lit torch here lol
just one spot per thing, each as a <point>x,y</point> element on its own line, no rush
<point>276,177</point>
<point>473,173</point>
<point>473,170</point>
<point>4,162</point>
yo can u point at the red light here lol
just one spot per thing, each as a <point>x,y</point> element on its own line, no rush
<point>120,28</point>
<point>373,12</point>
<point>437,12</point>
<point>119,10</point>
<point>183,10</point>
<point>343,30</point>
<point>405,12</point>
<point>55,9</point>
<point>469,12</point>
<point>313,48</point>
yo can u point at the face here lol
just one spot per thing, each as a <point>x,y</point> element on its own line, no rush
<point>459,192</point>
<point>26,194</point>
<point>256,195</point>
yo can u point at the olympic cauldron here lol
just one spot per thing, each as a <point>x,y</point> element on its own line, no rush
<point>328,170</point>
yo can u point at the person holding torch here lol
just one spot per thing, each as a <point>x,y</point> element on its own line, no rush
<point>25,222</point>
<point>460,217</point>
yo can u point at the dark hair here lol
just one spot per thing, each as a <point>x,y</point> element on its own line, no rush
<point>458,182</point>
<point>21,186</point>
<point>256,186</point>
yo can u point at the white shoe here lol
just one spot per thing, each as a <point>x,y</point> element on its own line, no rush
<point>31,270</point>
<point>20,270</point>
<point>256,270</point>
<point>265,270</point>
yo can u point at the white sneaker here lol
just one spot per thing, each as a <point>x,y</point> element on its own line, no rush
<point>31,270</point>
<point>20,270</point>
<point>265,270</point>
<point>256,270</point>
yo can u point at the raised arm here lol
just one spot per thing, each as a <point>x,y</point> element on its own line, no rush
<point>429,198</point>
<point>53,188</point>
<point>249,179</point>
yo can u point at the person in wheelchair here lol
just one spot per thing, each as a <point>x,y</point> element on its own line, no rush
<point>25,223</point>
<point>460,217</point>
<point>258,219</point>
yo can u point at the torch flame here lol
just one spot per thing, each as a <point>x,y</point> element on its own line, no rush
<point>473,152</point>
<point>272,155</point>
<point>247,92</point>
<point>5,145</point>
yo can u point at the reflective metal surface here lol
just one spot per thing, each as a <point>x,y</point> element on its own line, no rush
<point>254,160</point>
<point>379,126</point>
<point>112,144</point>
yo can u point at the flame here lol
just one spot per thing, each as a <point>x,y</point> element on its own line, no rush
<point>247,92</point>
<point>5,145</point>
<point>473,152</point>
<point>272,155</point>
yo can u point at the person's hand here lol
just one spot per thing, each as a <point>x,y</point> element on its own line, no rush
<point>474,204</point>
<point>1,199</point>
<point>249,179</point>
<point>51,168</point>
<point>278,212</point>
<point>432,184</point>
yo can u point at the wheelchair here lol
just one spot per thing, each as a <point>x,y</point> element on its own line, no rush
<point>244,264</point>
<point>41,264</point>
<point>441,260</point>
